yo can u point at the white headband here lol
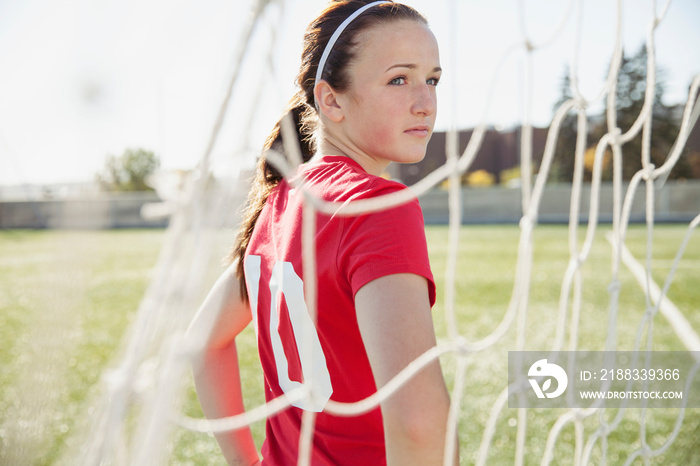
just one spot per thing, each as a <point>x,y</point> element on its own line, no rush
<point>336,34</point>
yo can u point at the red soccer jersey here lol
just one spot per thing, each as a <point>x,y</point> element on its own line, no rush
<point>350,252</point>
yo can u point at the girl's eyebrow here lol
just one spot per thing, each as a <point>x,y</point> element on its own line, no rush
<point>411,66</point>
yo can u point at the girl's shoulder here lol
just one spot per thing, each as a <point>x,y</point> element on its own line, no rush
<point>339,178</point>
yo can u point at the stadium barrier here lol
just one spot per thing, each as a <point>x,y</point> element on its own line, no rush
<point>675,202</point>
<point>114,210</point>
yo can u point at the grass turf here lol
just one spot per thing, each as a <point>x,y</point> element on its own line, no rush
<point>66,299</point>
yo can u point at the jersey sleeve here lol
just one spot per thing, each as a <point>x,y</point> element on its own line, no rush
<point>385,243</point>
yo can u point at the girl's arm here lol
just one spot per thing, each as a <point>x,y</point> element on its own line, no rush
<point>396,324</point>
<point>222,316</point>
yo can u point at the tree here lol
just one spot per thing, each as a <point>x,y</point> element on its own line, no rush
<point>128,172</point>
<point>631,88</point>
<point>563,163</point>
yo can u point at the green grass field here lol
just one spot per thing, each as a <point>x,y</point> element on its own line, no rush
<point>66,299</point>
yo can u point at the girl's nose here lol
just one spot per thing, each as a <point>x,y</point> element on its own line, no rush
<point>425,101</point>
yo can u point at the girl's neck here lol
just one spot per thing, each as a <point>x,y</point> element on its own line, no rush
<point>327,146</point>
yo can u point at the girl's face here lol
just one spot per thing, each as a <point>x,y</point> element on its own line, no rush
<point>389,108</point>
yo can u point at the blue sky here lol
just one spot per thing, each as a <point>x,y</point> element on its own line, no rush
<point>83,79</point>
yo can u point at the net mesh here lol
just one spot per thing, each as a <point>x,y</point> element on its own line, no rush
<point>144,391</point>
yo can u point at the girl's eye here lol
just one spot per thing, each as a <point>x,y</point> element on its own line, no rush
<point>433,81</point>
<point>398,81</point>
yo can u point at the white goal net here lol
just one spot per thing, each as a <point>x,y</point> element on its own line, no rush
<point>141,407</point>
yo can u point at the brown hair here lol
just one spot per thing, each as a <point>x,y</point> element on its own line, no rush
<point>302,105</point>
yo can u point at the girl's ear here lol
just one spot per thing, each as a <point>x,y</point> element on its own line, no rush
<point>327,102</point>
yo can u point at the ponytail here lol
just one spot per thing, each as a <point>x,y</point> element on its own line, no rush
<point>267,177</point>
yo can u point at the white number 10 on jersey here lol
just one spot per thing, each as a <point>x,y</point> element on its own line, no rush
<point>285,281</point>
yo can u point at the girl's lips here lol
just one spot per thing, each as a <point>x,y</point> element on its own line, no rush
<point>420,131</point>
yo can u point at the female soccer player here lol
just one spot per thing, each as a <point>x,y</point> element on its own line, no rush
<point>366,98</point>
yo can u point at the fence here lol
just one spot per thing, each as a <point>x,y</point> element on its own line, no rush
<point>87,213</point>
<point>675,202</point>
